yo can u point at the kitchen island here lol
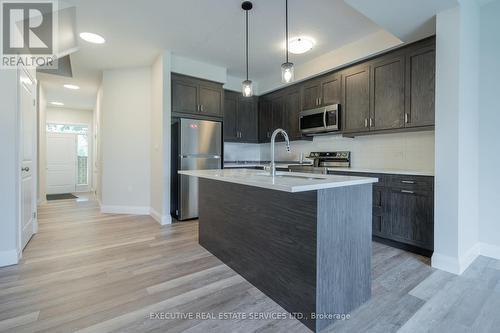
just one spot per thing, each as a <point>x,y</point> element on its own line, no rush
<point>304,240</point>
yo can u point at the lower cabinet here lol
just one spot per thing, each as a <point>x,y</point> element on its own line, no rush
<point>403,211</point>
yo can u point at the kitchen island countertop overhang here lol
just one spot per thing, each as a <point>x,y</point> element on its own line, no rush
<point>284,181</point>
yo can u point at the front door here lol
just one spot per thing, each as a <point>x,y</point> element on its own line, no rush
<point>61,163</point>
<point>27,108</point>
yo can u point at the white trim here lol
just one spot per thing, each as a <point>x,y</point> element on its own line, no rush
<point>456,265</point>
<point>469,257</point>
<point>162,220</point>
<point>8,258</point>
<point>130,210</point>
<point>445,263</point>
<point>490,250</point>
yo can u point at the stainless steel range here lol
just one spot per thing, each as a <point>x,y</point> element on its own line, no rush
<point>322,161</point>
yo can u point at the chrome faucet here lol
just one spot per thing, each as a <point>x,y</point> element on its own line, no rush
<point>272,169</point>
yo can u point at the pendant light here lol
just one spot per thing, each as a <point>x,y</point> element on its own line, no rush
<point>287,69</point>
<point>247,88</point>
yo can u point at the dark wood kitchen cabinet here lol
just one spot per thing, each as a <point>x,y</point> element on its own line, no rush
<point>403,210</point>
<point>292,110</point>
<point>240,118</point>
<point>420,85</point>
<point>356,99</point>
<point>320,92</point>
<point>388,93</point>
<point>265,119</point>
<point>196,97</point>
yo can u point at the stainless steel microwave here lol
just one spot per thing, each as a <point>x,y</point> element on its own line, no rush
<point>320,120</point>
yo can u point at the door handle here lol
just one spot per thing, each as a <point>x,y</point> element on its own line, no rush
<point>324,118</point>
<point>26,169</point>
<point>407,182</point>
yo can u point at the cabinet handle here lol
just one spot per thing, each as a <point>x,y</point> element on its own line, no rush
<point>371,122</point>
<point>366,122</point>
<point>198,107</point>
<point>319,101</point>
<point>407,182</point>
<point>406,118</point>
<point>201,108</point>
<point>407,192</point>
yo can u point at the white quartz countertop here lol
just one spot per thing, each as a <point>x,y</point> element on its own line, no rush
<point>385,171</point>
<point>284,181</point>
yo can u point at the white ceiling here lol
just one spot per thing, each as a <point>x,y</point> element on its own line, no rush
<point>212,31</point>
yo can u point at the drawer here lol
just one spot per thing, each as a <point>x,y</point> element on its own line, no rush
<point>412,183</point>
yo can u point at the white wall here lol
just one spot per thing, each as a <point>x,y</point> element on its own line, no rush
<point>42,144</point>
<point>160,138</point>
<point>457,108</point>
<point>489,142</point>
<point>69,116</point>
<point>9,172</point>
<point>97,151</point>
<point>126,140</point>
<point>368,46</point>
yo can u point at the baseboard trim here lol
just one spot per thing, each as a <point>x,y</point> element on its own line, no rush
<point>129,210</point>
<point>162,220</point>
<point>445,263</point>
<point>456,265</point>
<point>490,250</point>
<point>8,258</point>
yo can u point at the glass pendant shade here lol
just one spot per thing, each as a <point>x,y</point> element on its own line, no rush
<point>247,88</point>
<point>287,72</point>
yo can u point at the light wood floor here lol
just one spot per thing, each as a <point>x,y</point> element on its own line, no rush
<point>90,272</point>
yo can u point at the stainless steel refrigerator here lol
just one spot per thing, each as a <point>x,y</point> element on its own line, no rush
<point>196,145</point>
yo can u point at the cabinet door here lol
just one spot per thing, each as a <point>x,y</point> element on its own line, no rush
<point>379,213</point>
<point>278,110</point>
<point>412,217</point>
<point>247,119</point>
<point>331,90</point>
<point>420,86</point>
<point>311,92</point>
<point>388,93</point>
<point>230,116</point>
<point>356,99</point>
<point>265,120</point>
<point>210,100</point>
<point>292,109</point>
<point>184,96</point>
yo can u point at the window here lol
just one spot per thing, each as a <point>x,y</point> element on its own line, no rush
<point>82,158</point>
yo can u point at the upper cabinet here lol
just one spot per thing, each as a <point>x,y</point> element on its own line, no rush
<point>196,97</point>
<point>388,92</point>
<point>420,85</point>
<point>355,108</point>
<point>240,118</point>
<point>321,92</point>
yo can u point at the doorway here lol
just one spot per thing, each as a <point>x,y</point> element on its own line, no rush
<point>68,158</point>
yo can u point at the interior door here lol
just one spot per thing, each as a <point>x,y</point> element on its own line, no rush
<point>61,163</point>
<point>27,107</point>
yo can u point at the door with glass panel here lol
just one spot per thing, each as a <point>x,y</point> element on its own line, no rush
<point>67,159</point>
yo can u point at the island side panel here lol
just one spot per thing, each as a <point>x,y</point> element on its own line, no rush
<point>266,236</point>
<point>344,250</point>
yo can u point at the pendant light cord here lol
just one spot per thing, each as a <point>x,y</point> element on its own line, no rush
<point>286,28</point>
<point>246,12</point>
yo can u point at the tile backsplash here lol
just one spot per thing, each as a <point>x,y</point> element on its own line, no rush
<point>407,151</point>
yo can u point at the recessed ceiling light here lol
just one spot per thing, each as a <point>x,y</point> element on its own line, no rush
<point>299,45</point>
<point>92,38</point>
<point>71,86</point>
<point>57,103</point>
